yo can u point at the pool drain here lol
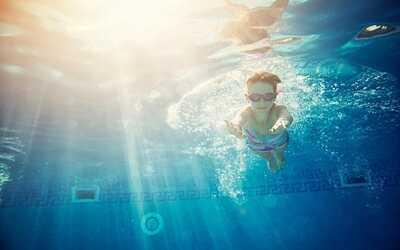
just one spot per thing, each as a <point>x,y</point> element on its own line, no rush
<point>355,178</point>
<point>85,193</point>
<point>152,223</point>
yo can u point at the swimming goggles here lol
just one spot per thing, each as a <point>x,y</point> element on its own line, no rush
<point>267,97</point>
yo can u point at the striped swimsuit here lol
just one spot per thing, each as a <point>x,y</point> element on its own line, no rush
<point>266,143</point>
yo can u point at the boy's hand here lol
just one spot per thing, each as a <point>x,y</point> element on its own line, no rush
<point>280,125</point>
<point>233,129</point>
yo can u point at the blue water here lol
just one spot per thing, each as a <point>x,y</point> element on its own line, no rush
<point>151,145</point>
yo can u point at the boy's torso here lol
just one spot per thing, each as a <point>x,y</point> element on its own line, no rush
<point>261,128</point>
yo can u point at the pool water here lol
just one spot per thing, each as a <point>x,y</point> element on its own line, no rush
<point>110,134</point>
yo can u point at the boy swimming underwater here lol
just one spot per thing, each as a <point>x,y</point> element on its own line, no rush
<point>263,123</point>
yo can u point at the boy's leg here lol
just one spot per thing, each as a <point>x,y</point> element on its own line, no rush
<point>275,159</point>
<point>279,155</point>
<point>268,156</point>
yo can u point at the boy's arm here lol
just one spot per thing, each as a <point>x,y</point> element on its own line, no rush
<point>236,124</point>
<point>241,117</point>
<point>284,114</point>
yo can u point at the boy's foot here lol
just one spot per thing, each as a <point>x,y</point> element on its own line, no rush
<point>276,163</point>
<point>280,160</point>
<point>273,165</point>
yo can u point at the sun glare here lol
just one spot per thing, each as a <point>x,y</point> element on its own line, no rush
<point>127,20</point>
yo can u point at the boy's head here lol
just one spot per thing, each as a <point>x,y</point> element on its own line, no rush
<point>263,77</point>
<point>261,89</point>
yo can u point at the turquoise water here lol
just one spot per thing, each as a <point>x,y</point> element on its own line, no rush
<point>119,147</point>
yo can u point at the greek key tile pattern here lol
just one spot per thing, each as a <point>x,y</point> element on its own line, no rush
<point>311,180</point>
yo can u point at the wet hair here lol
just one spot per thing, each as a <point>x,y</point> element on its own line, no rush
<point>265,77</point>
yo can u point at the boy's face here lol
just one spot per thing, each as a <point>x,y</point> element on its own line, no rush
<point>260,88</point>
